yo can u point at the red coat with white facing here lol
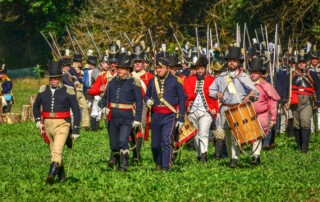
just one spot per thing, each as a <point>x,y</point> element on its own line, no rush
<point>189,87</point>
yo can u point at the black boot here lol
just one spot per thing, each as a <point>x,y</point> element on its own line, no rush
<point>290,130</point>
<point>124,154</point>
<point>255,160</point>
<point>98,125</point>
<point>297,135</point>
<point>233,163</point>
<point>113,160</point>
<point>218,149</point>
<point>54,168</point>
<point>62,174</point>
<point>305,138</point>
<point>203,157</point>
<point>136,158</point>
<point>93,124</point>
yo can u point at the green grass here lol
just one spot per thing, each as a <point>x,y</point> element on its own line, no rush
<point>284,175</point>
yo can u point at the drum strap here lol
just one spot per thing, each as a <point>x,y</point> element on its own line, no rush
<point>160,96</point>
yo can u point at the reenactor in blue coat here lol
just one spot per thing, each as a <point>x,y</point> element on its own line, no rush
<point>5,90</point>
<point>56,100</point>
<point>166,97</point>
<point>305,98</point>
<point>123,96</point>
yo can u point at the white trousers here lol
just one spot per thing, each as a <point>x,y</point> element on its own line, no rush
<point>96,110</point>
<point>201,121</point>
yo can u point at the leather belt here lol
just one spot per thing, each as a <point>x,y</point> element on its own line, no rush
<point>121,106</point>
<point>55,115</point>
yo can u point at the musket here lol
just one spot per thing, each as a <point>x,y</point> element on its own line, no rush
<point>197,38</point>
<point>270,67</point>
<point>217,34</point>
<point>105,31</point>
<point>70,39</point>
<point>207,51</point>
<point>55,55</point>
<point>245,24</point>
<point>99,54</point>
<point>262,33</point>
<point>55,46</point>
<point>255,31</point>
<point>211,43</point>
<point>275,53</point>
<point>244,49</point>
<point>82,53</point>
<point>131,44</point>
<point>178,43</point>
<point>237,35</point>
<point>152,42</point>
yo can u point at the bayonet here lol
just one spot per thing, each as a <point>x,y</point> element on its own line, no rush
<point>55,55</point>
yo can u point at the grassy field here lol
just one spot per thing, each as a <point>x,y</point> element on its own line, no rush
<point>284,174</point>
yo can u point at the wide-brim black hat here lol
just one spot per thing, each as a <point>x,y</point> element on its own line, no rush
<point>234,52</point>
<point>92,60</point>
<point>256,64</point>
<point>55,69</point>
<point>124,61</point>
<point>302,58</point>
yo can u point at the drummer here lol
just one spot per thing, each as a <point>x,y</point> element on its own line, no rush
<point>265,106</point>
<point>232,87</point>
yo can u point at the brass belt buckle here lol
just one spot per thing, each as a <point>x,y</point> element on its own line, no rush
<point>51,114</point>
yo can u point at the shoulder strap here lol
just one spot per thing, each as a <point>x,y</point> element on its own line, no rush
<point>160,96</point>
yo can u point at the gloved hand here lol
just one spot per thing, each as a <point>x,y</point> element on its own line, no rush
<point>75,136</point>
<point>106,110</point>
<point>136,124</point>
<point>149,102</point>
<point>39,125</point>
<point>179,125</point>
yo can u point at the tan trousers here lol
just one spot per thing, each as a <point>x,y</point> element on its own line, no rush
<point>57,131</point>
<point>202,121</point>
<point>84,108</point>
<point>302,113</point>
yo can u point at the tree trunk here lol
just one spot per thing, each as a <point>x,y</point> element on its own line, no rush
<point>32,99</point>
<point>11,118</point>
<point>25,113</point>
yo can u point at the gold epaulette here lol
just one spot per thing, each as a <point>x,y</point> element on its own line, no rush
<point>137,82</point>
<point>70,90</point>
<point>179,79</point>
<point>42,89</point>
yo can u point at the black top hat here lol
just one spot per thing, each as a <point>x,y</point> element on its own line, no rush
<point>55,69</point>
<point>234,52</point>
<point>77,57</point>
<point>92,60</point>
<point>138,53</point>
<point>314,54</point>
<point>256,64</point>
<point>113,52</point>
<point>202,61</point>
<point>173,60</point>
<point>66,61</point>
<point>124,61</point>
